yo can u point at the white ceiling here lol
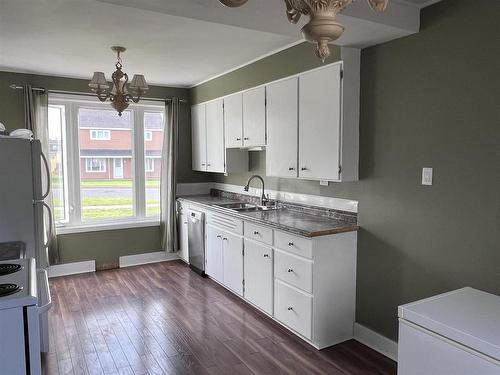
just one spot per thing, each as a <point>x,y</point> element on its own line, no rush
<point>175,42</point>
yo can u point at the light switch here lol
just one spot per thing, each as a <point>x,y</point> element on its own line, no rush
<point>426,176</point>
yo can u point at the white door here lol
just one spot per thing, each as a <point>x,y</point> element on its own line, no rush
<point>282,128</point>
<point>233,120</point>
<point>233,262</point>
<point>213,248</point>
<point>215,137</point>
<point>254,117</point>
<point>118,168</point>
<point>319,123</point>
<point>183,236</point>
<point>198,137</point>
<point>259,275</point>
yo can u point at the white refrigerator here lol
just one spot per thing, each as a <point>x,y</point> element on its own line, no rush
<point>24,216</point>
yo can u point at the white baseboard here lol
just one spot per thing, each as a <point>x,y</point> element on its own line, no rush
<point>376,341</point>
<point>146,258</point>
<point>71,268</point>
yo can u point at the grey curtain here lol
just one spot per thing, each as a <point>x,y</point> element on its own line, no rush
<point>37,120</point>
<point>168,183</point>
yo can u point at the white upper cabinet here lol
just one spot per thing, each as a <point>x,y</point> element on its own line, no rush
<point>282,128</point>
<point>198,137</point>
<point>215,137</point>
<point>254,117</point>
<point>233,120</point>
<point>320,123</point>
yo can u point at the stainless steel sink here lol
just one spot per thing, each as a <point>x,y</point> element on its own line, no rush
<point>245,207</point>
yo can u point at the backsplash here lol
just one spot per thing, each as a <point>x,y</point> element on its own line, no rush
<point>348,217</point>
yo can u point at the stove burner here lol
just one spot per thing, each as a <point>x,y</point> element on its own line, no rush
<point>7,268</point>
<point>8,289</point>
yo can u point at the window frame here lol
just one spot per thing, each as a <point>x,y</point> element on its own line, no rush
<point>74,222</point>
<point>102,163</point>
<point>94,134</point>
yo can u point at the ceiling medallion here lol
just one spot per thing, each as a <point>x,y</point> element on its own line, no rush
<point>322,27</point>
<point>122,92</point>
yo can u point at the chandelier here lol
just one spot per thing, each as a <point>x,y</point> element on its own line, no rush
<point>122,92</point>
<point>322,27</point>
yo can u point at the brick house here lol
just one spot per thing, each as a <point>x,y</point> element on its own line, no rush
<point>106,145</point>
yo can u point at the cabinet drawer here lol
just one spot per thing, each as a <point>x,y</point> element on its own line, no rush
<point>294,270</point>
<point>225,222</point>
<point>259,233</point>
<point>294,244</point>
<point>293,308</point>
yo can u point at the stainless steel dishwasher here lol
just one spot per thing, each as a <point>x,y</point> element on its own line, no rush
<point>196,241</point>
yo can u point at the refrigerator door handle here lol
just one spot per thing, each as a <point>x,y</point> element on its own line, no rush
<point>47,170</point>
<point>51,224</point>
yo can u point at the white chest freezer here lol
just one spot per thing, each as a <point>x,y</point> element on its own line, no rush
<point>456,333</point>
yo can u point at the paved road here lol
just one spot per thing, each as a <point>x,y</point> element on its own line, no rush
<point>115,192</point>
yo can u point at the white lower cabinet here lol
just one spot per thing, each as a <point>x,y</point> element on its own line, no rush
<point>293,308</point>
<point>213,250</point>
<point>306,284</point>
<point>232,255</point>
<point>259,275</point>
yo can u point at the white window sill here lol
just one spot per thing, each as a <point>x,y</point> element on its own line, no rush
<point>96,227</point>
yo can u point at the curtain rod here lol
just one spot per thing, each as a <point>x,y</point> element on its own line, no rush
<point>18,87</point>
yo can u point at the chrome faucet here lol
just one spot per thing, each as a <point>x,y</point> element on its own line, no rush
<point>263,199</point>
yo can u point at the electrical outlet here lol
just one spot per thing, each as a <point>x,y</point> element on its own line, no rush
<point>426,176</point>
<point>323,182</point>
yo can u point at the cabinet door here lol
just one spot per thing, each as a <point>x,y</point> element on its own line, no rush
<point>319,123</point>
<point>282,123</point>
<point>233,120</point>
<point>254,117</point>
<point>183,236</point>
<point>198,137</point>
<point>213,249</point>
<point>215,137</point>
<point>259,275</point>
<point>233,262</point>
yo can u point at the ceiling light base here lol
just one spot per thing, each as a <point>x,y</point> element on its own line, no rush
<point>118,49</point>
<point>322,30</point>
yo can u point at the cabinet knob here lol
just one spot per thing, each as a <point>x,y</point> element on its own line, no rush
<point>290,243</point>
<point>255,232</point>
<point>290,270</point>
<point>246,138</point>
<point>291,168</point>
<point>224,239</point>
<point>208,165</point>
<point>238,139</point>
<point>219,236</point>
<point>303,169</point>
<point>266,255</point>
<point>202,164</point>
<point>290,308</point>
<point>185,222</point>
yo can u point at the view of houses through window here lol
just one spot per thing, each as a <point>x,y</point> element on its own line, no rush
<point>104,167</point>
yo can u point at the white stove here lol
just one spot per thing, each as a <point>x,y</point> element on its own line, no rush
<point>21,302</point>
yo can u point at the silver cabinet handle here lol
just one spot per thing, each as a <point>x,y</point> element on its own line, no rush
<point>303,169</point>
<point>266,255</point>
<point>238,139</point>
<point>290,270</point>
<point>290,308</point>
<point>224,239</point>
<point>47,170</point>
<point>246,138</point>
<point>219,236</point>
<point>202,164</point>
<point>208,165</point>
<point>291,168</point>
<point>255,232</point>
<point>290,243</point>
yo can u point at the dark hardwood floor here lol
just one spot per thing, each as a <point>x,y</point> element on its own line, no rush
<point>164,319</point>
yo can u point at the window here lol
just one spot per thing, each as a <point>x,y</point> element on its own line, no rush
<point>110,182</point>
<point>150,165</point>
<point>95,165</point>
<point>100,135</point>
<point>148,135</point>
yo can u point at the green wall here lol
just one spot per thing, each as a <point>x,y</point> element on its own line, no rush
<point>103,246</point>
<point>427,100</point>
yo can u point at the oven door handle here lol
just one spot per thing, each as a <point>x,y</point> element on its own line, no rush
<point>44,291</point>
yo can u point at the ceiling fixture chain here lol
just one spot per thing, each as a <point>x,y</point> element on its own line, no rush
<point>122,92</point>
<point>322,27</point>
